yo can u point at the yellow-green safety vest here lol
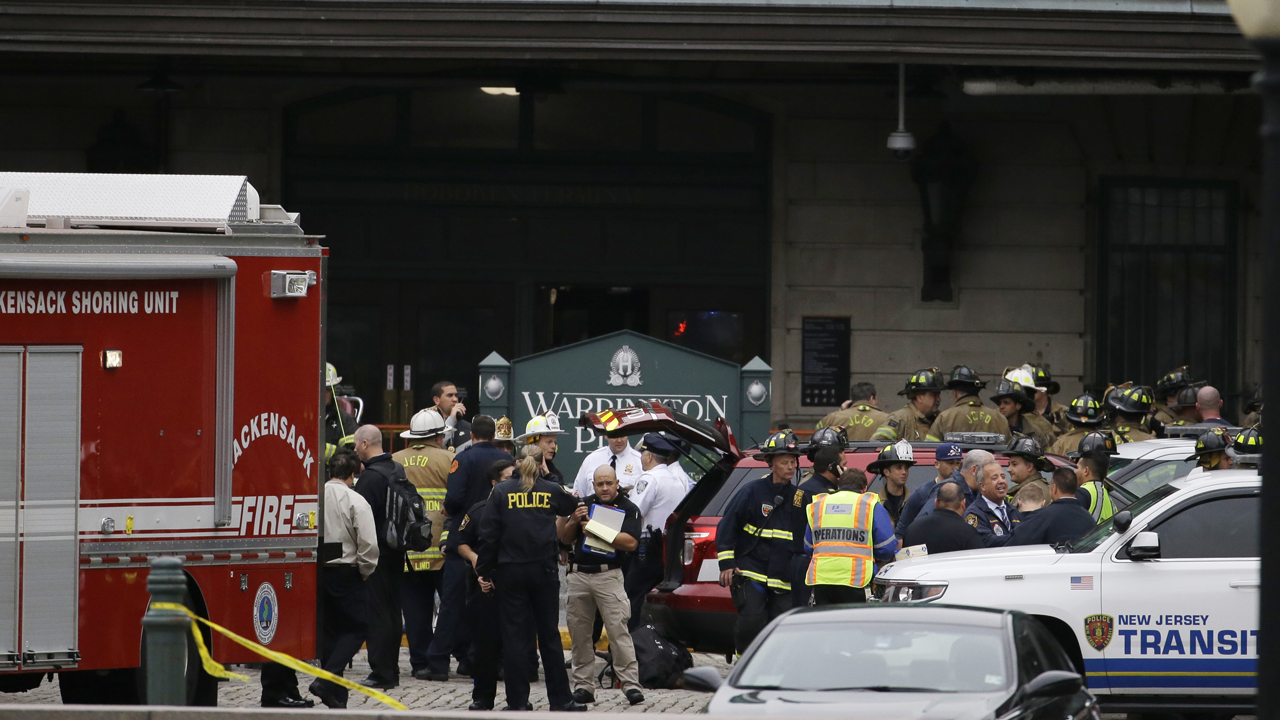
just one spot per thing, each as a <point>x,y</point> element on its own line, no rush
<point>842,539</point>
<point>1099,501</point>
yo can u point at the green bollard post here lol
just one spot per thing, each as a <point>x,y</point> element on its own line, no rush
<point>166,633</point>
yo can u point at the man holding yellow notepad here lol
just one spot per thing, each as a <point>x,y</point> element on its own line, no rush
<point>603,531</point>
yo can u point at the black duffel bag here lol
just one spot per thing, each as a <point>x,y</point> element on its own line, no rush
<point>661,660</point>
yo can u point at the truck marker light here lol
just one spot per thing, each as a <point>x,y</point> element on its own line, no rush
<point>112,359</point>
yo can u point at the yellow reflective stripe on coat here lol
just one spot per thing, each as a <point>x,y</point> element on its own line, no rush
<point>422,560</point>
<point>215,669</point>
<point>767,532</point>
<point>724,555</point>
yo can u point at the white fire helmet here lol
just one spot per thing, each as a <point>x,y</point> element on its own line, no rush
<point>548,424</point>
<point>331,376</point>
<point>426,423</point>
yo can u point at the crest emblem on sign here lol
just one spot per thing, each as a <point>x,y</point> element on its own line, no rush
<point>266,613</point>
<point>624,368</point>
<point>757,392</point>
<point>494,387</point>
<point>1098,630</point>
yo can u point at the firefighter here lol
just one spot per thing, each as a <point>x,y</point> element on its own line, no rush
<point>923,391</point>
<point>1026,460</point>
<point>339,426</point>
<point>1246,449</point>
<point>1084,414</point>
<point>1054,413</point>
<point>1253,410</point>
<point>1211,451</point>
<point>1184,408</point>
<point>847,532</point>
<point>444,395</point>
<point>826,452</point>
<point>1131,407</point>
<point>757,542</point>
<point>1019,409</point>
<point>504,436</point>
<point>947,458</point>
<point>894,464</point>
<point>967,413</point>
<point>427,463</point>
<point>541,430</point>
<point>861,418</point>
<point>1166,393</point>
<point>518,553</point>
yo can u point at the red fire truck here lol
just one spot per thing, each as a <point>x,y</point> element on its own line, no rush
<point>161,355</point>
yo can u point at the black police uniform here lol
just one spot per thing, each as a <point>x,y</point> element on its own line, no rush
<point>758,536</point>
<point>481,610</point>
<point>468,484</point>
<point>383,586</point>
<point>993,531</point>
<point>942,531</point>
<point>1062,520</point>
<point>519,551</point>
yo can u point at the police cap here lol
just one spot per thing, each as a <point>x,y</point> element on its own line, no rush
<point>658,445</point>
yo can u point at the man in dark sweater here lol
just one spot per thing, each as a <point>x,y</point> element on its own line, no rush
<point>1063,519</point>
<point>383,586</point>
<point>944,530</point>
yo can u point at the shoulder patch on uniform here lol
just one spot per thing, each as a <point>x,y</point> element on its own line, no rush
<point>972,520</point>
<point>454,466</point>
<point>640,486</point>
<point>893,422</point>
<point>798,500</point>
<point>465,519</point>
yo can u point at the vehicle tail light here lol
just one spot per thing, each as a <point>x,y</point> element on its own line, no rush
<point>690,545</point>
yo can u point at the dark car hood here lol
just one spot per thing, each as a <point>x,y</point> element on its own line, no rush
<point>858,704</point>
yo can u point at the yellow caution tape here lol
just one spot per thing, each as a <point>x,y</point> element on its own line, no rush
<point>215,669</point>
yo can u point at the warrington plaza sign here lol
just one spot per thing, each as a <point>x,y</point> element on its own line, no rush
<point>614,371</point>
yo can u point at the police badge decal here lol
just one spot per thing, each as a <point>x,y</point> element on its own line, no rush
<point>624,368</point>
<point>1098,630</point>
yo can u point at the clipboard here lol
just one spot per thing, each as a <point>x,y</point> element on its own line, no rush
<point>603,527</point>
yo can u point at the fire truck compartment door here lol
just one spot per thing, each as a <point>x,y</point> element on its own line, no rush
<point>50,501</point>
<point>10,466</point>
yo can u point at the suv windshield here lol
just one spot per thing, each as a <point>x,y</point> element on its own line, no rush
<point>884,657</point>
<point>1105,528</point>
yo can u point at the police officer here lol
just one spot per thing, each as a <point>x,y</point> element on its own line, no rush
<point>944,530</point>
<point>682,450</point>
<point>1166,393</point>
<point>1091,468</point>
<point>518,555</point>
<point>384,585</point>
<point>923,391</point>
<point>1019,409</point>
<point>596,585</point>
<point>894,465</point>
<point>1062,520</point>
<point>469,483</point>
<point>757,540</point>
<point>444,395</point>
<point>542,430</point>
<point>947,458</point>
<point>350,555</point>
<point>656,495</point>
<point>427,464</point>
<point>1211,451</point>
<point>1046,387</point>
<point>967,413</point>
<point>618,454</point>
<point>483,613</point>
<point>1131,406</point>
<point>339,426</point>
<point>1084,414</point>
<point>861,418</point>
<point>1025,463</point>
<point>846,532</point>
<point>990,513</point>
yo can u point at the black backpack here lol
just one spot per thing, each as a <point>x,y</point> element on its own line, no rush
<point>661,660</point>
<point>408,529</point>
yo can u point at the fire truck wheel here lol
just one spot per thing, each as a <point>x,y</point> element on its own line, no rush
<point>202,688</point>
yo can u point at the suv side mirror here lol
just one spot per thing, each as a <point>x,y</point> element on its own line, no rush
<point>701,679</point>
<point>1052,684</point>
<point>1146,546</point>
<point>1122,521</point>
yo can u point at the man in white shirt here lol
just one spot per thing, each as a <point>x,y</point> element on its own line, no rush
<point>617,454</point>
<point>350,554</point>
<point>656,495</point>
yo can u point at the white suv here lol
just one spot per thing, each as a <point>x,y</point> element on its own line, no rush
<point>1158,606</point>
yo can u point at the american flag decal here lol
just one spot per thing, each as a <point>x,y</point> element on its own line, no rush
<point>1081,582</point>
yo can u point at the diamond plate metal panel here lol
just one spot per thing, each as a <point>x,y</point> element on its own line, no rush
<point>50,555</point>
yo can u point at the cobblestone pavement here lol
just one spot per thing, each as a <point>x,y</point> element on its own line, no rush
<point>421,695</point>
